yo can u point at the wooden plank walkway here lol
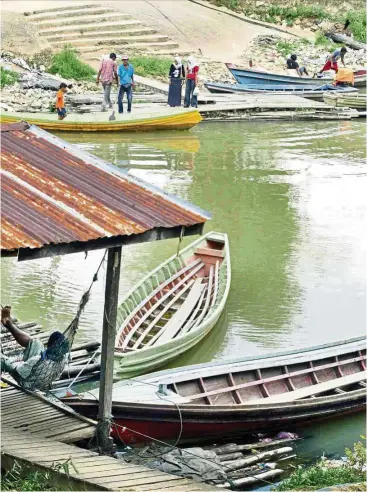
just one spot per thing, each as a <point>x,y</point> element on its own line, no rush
<point>86,470</point>
<point>35,433</point>
<point>32,413</point>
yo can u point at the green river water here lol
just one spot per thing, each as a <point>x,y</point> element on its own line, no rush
<point>292,198</point>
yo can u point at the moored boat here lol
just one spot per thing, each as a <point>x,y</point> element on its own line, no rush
<point>173,307</point>
<point>356,101</point>
<point>250,76</point>
<point>239,396</point>
<point>311,92</point>
<point>99,122</point>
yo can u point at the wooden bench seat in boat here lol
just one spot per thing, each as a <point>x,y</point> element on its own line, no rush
<point>175,324</point>
<point>210,252</point>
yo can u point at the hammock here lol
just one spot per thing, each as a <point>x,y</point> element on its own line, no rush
<point>50,367</point>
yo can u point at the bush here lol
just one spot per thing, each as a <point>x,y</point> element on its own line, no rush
<point>7,77</point>
<point>67,65</point>
<point>357,19</point>
<point>318,476</point>
<point>286,47</point>
<point>150,66</point>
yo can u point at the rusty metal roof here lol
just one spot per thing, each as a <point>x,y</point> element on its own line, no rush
<point>54,193</point>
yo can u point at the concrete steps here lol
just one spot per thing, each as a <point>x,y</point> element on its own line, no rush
<point>154,48</point>
<point>89,28</point>
<point>88,19</point>
<point>114,40</point>
<point>61,9</point>
<point>58,14</point>
<point>104,36</point>
<point>92,28</point>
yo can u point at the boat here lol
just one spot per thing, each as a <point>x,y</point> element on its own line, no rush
<point>173,307</point>
<point>356,101</point>
<point>238,397</point>
<point>309,92</point>
<point>99,122</point>
<point>250,76</point>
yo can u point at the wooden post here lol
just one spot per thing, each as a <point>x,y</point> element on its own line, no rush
<point>108,345</point>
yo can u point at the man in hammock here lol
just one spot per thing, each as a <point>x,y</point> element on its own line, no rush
<point>38,367</point>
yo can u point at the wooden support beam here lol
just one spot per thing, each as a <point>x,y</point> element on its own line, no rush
<point>108,344</point>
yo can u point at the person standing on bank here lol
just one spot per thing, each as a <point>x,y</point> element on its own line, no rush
<point>191,83</point>
<point>107,75</point>
<point>126,80</point>
<point>176,76</point>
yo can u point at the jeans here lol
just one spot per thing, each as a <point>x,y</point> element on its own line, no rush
<point>189,97</point>
<point>129,95</point>
<point>106,95</point>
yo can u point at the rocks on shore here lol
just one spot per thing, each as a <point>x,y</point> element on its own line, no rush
<point>263,52</point>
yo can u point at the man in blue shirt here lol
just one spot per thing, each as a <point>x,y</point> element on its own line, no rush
<point>126,81</point>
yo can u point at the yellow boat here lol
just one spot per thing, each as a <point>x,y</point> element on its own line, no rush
<point>156,119</point>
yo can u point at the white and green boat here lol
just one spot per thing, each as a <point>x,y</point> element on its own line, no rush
<point>173,307</point>
<point>355,101</point>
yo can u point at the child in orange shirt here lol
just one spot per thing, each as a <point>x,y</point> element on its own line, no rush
<point>60,105</point>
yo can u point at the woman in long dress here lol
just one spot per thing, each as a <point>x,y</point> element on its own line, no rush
<point>176,76</point>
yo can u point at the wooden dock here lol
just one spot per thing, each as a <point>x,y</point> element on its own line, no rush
<point>35,433</point>
<point>31,413</point>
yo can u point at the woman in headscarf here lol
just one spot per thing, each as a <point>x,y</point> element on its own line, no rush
<point>176,76</point>
<point>191,83</point>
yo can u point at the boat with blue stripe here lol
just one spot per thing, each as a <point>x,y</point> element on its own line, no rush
<point>310,92</point>
<point>248,76</point>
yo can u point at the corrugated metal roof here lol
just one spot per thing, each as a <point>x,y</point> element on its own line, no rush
<point>54,193</point>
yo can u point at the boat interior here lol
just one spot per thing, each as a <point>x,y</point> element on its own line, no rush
<point>277,384</point>
<point>184,294</point>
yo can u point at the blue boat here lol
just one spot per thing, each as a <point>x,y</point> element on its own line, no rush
<point>310,92</point>
<point>248,76</point>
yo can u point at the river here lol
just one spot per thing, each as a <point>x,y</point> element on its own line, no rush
<point>292,198</point>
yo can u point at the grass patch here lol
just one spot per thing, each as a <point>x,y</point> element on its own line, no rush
<point>150,66</point>
<point>7,77</point>
<point>278,13</point>
<point>318,476</point>
<point>285,47</point>
<point>357,19</point>
<point>67,64</point>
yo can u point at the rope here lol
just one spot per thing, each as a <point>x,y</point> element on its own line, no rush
<point>169,20</point>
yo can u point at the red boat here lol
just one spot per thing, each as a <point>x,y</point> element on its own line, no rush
<point>239,396</point>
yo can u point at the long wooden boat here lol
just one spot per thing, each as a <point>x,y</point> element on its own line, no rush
<point>250,76</point>
<point>99,122</point>
<point>173,307</point>
<point>356,101</point>
<point>311,92</point>
<point>239,396</point>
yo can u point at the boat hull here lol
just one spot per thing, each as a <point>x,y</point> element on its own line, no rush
<point>249,76</point>
<point>131,363</point>
<point>183,120</point>
<point>312,92</point>
<point>346,101</point>
<point>134,422</point>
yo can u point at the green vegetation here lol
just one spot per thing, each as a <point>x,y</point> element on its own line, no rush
<point>357,19</point>
<point>67,64</point>
<point>318,476</point>
<point>19,479</point>
<point>322,40</point>
<point>7,77</point>
<point>276,13</point>
<point>150,66</point>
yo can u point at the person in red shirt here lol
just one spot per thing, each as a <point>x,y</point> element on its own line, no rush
<point>192,71</point>
<point>60,105</point>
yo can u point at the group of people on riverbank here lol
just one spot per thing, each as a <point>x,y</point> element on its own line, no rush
<point>331,63</point>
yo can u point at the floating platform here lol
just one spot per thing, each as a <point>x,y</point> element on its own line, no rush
<point>151,119</point>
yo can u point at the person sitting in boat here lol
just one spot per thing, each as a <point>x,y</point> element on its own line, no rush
<point>292,64</point>
<point>23,371</point>
<point>332,60</point>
